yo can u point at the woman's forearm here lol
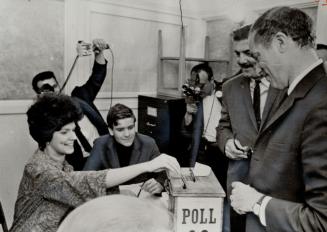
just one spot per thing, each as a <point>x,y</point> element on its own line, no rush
<point>118,176</point>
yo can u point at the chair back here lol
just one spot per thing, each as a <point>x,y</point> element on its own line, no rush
<point>3,220</point>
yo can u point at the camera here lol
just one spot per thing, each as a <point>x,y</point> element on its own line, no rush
<point>86,49</point>
<point>192,93</point>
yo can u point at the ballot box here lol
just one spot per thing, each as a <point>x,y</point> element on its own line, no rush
<point>196,202</point>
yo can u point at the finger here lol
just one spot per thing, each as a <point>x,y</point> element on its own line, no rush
<point>147,184</point>
<point>238,143</point>
<point>235,151</point>
<point>170,163</point>
<point>240,156</point>
<point>174,165</point>
<point>235,184</point>
<point>234,156</point>
<point>154,189</point>
<point>239,211</point>
<point>151,185</point>
<point>149,188</point>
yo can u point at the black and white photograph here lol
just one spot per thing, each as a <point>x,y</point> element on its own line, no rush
<point>163,116</point>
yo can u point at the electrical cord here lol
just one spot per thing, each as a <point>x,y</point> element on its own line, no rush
<point>181,11</point>
<point>69,74</point>
<point>112,76</point>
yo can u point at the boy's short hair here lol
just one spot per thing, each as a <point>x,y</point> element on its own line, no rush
<point>117,112</point>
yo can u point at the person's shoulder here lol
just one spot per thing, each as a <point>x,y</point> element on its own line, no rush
<point>145,138</point>
<point>233,81</point>
<point>39,163</point>
<point>103,139</point>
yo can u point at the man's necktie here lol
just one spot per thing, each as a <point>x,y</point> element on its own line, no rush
<point>81,138</point>
<point>256,102</point>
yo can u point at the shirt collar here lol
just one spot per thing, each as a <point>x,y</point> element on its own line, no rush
<point>263,82</point>
<point>296,81</point>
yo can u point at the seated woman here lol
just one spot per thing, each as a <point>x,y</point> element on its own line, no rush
<point>50,188</point>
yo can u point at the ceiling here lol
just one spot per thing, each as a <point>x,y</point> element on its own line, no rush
<point>207,9</point>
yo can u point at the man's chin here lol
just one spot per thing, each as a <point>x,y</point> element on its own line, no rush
<point>248,72</point>
<point>69,152</point>
<point>126,143</point>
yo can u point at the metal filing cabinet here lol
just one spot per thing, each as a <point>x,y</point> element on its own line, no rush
<point>160,117</point>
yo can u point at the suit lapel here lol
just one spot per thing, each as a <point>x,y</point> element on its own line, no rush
<point>286,105</point>
<point>246,92</point>
<point>112,154</point>
<point>136,153</point>
<point>272,94</point>
<point>300,91</point>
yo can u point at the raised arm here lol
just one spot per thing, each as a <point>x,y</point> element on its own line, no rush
<point>91,88</point>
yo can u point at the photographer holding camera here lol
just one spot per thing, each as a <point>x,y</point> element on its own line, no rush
<point>201,119</point>
<point>92,125</point>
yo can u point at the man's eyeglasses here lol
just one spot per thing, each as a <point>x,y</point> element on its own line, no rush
<point>46,88</point>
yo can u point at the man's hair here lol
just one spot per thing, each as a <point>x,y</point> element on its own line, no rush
<point>117,112</point>
<point>50,113</point>
<point>118,213</point>
<point>41,77</point>
<point>241,33</point>
<point>203,67</point>
<point>290,21</point>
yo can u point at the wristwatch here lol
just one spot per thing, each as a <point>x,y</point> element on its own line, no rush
<point>257,205</point>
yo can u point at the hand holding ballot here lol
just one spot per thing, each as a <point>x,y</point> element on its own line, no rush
<point>162,162</point>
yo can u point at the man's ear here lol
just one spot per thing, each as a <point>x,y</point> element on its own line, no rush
<point>280,42</point>
<point>111,131</point>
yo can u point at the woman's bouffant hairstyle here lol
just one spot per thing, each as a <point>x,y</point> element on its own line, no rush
<point>49,113</point>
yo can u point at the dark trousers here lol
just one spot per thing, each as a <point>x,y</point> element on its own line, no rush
<point>210,154</point>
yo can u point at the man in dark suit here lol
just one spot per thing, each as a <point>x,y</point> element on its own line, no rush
<point>124,147</point>
<point>287,180</point>
<point>93,125</point>
<point>239,123</point>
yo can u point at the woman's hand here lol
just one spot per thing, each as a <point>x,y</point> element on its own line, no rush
<point>164,161</point>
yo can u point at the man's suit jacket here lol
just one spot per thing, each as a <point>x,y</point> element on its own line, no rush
<point>85,96</point>
<point>238,119</point>
<point>289,162</point>
<point>104,155</point>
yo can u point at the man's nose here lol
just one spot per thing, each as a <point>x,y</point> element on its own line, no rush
<point>126,133</point>
<point>242,58</point>
<point>73,135</point>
